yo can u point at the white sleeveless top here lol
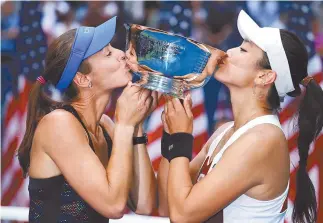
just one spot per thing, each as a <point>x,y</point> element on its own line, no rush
<point>246,209</point>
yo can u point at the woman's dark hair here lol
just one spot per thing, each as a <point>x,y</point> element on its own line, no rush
<point>39,102</point>
<point>310,121</point>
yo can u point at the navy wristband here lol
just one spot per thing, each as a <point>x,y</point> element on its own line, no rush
<point>165,144</point>
<point>180,145</point>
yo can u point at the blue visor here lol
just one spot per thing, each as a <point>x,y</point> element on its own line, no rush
<point>88,41</point>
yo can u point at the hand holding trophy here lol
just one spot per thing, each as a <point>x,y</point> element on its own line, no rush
<point>169,63</point>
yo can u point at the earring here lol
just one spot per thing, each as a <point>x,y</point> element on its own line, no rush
<point>90,85</point>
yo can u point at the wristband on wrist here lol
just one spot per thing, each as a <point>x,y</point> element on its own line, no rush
<point>140,140</point>
<point>180,145</point>
<point>165,144</point>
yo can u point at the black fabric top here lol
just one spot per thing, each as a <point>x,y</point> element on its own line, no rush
<point>54,200</point>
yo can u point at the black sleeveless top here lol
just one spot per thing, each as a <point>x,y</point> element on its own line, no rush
<point>54,200</point>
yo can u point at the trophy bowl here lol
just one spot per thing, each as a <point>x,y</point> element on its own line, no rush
<point>169,63</point>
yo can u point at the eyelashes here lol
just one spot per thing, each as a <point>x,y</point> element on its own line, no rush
<point>242,50</point>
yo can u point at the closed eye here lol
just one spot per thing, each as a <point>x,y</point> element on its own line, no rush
<point>108,54</point>
<point>242,50</point>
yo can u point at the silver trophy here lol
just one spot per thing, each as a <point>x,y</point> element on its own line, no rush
<point>169,63</point>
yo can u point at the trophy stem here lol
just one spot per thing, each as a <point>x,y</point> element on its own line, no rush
<point>170,86</point>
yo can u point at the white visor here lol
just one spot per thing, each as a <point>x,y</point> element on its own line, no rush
<point>269,40</point>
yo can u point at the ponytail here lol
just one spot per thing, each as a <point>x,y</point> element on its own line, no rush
<point>39,104</point>
<point>39,101</point>
<point>310,120</point>
<point>310,123</point>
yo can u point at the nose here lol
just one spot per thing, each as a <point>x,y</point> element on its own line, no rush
<point>229,52</point>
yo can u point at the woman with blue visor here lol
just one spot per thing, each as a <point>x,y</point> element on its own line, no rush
<point>242,174</point>
<point>82,166</point>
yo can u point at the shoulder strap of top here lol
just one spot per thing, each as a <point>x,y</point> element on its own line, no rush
<point>72,110</point>
<point>217,139</point>
<point>108,140</point>
<point>266,119</point>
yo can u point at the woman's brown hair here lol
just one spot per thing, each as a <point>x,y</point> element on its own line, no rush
<point>40,103</point>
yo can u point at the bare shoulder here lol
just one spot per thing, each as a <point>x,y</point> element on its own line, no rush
<point>57,125</point>
<point>58,117</point>
<point>108,124</point>
<point>268,137</point>
<point>267,133</point>
<point>270,129</point>
<point>263,146</point>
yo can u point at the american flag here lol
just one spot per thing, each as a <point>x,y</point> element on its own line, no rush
<point>14,187</point>
<point>31,49</point>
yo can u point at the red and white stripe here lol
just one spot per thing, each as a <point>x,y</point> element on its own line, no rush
<point>13,185</point>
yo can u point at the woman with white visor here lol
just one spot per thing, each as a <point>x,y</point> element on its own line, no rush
<point>242,173</point>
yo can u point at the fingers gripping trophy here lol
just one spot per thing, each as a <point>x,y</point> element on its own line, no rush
<point>169,63</point>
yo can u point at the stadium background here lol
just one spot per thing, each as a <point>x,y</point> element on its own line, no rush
<point>28,27</point>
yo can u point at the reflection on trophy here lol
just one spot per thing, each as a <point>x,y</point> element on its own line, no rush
<point>169,63</point>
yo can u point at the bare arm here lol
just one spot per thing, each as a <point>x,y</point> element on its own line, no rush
<point>196,203</point>
<point>142,197</point>
<point>106,190</point>
<point>194,167</point>
<point>143,190</point>
<point>162,177</point>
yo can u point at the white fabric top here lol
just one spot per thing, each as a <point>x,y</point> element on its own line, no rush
<point>246,209</point>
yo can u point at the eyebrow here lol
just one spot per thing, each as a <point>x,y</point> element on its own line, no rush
<point>249,42</point>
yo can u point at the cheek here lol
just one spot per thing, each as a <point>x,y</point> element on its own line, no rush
<point>110,66</point>
<point>234,73</point>
<point>226,74</point>
<point>116,75</point>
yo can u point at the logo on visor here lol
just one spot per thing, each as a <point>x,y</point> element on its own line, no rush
<point>86,29</point>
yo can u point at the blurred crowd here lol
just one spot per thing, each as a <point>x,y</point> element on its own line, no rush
<point>210,22</point>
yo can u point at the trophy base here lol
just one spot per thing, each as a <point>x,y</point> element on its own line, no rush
<point>165,85</point>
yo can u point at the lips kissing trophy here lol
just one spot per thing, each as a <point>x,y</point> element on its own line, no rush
<point>169,63</point>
